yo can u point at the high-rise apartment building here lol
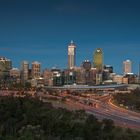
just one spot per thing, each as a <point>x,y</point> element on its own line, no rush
<point>98,59</point>
<point>87,68</point>
<point>5,67</point>
<point>36,70</point>
<point>87,65</point>
<point>71,55</point>
<point>127,66</point>
<point>24,71</point>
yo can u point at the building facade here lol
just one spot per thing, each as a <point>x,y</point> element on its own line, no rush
<point>87,76</point>
<point>5,67</point>
<point>69,77</point>
<point>24,71</point>
<point>109,68</point>
<point>98,59</point>
<point>36,70</point>
<point>71,55</point>
<point>48,77</point>
<point>127,66</point>
<point>15,73</point>
<point>57,77</point>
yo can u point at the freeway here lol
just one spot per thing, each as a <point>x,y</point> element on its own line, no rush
<point>123,117</point>
<point>105,109</point>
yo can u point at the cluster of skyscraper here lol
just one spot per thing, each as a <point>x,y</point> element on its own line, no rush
<point>97,57</point>
<point>88,73</point>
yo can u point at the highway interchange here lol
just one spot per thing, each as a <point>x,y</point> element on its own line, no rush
<point>103,108</point>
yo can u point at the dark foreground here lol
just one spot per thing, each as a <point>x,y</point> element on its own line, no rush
<point>30,119</point>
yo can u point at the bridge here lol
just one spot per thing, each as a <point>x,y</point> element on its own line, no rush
<point>86,87</point>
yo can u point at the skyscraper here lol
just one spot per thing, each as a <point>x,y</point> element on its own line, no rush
<point>24,71</point>
<point>98,59</point>
<point>36,69</point>
<point>71,55</point>
<point>87,68</point>
<point>5,67</point>
<point>127,66</point>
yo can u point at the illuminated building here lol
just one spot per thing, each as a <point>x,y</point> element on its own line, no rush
<point>98,59</point>
<point>127,66</point>
<point>131,78</point>
<point>109,68</point>
<point>106,74</point>
<point>36,70</point>
<point>69,77</point>
<point>56,76</point>
<point>107,71</point>
<point>118,79</point>
<point>71,55</point>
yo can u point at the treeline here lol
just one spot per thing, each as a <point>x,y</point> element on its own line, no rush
<point>129,100</point>
<point>30,119</point>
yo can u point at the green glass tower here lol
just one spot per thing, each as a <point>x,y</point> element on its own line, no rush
<point>98,59</point>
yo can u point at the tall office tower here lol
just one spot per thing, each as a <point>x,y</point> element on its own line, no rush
<point>5,67</point>
<point>36,70</point>
<point>87,65</point>
<point>98,59</point>
<point>71,55</point>
<point>24,71</point>
<point>87,68</point>
<point>127,66</point>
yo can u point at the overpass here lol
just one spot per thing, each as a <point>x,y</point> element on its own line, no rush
<point>86,87</point>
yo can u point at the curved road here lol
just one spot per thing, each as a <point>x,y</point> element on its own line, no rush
<point>105,109</point>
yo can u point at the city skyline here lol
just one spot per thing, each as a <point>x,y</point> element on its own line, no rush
<point>41,30</point>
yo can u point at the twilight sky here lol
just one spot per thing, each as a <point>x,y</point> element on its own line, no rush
<point>41,30</point>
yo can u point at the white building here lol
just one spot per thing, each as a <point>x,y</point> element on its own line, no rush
<point>71,55</point>
<point>127,66</point>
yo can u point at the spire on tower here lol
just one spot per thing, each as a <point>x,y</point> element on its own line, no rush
<point>71,42</point>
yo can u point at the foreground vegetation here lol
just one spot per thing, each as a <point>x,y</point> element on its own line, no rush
<point>30,119</point>
<point>129,100</point>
